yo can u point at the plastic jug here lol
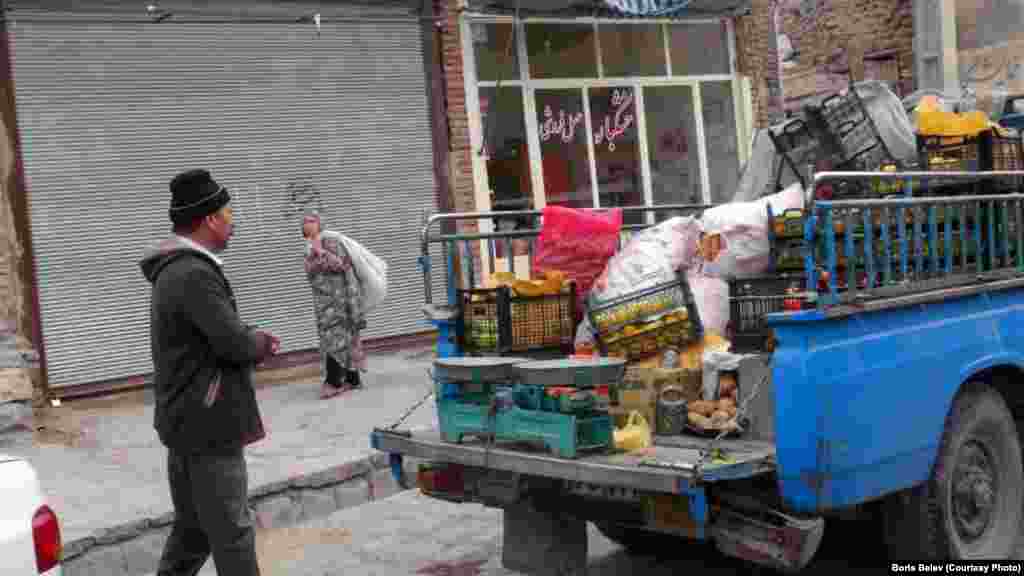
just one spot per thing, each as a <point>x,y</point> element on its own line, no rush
<point>635,435</point>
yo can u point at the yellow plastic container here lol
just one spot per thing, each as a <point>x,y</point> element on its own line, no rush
<point>635,435</point>
<point>932,121</point>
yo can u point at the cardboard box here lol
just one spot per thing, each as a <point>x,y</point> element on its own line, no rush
<point>689,381</point>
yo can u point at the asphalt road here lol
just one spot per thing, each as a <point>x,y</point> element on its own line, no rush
<point>409,534</point>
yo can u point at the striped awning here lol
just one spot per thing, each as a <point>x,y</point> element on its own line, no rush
<point>615,8</point>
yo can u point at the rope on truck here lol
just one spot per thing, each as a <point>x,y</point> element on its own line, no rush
<point>711,451</point>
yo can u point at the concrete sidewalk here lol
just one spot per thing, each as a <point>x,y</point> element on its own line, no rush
<point>105,471</point>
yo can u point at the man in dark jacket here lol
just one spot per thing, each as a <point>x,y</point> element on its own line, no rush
<point>206,410</point>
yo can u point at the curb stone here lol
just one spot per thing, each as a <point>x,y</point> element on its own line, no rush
<point>134,548</point>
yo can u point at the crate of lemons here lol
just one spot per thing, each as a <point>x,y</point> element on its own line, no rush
<point>537,319</point>
<point>643,328</point>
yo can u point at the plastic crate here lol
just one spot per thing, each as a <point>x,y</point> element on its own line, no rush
<point>1003,153</point>
<point>655,314</point>
<point>750,300</point>
<point>648,341</point>
<point>796,146</point>
<point>847,132</point>
<point>951,154</point>
<point>787,254</point>
<point>495,321</point>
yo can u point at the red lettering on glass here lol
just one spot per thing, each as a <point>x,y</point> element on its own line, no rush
<point>565,126</point>
<point>617,124</point>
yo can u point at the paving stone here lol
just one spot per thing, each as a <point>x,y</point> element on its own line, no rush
<point>317,503</point>
<point>276,512</point>
<point>77,547</point>
<point>98,561</point>
<point>382,485</point>
<point>142,554</point>
<point>162,520</point>
<point>117,534</point>
<point>270,488</point>
<point>355,492</point>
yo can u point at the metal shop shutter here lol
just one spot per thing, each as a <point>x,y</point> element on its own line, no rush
<point>109,112</point>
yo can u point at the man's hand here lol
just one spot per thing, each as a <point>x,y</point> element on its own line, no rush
<point>272,344</point>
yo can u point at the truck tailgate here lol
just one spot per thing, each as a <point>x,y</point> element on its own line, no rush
<point>668,466</point>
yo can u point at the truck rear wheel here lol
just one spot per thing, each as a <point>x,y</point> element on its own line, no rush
<point>971,506</point>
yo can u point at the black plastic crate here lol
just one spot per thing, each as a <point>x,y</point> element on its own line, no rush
<point>650,310</point>
<point>787,254</point>
<point>951,154</point>
<point>796,146</point>
<point>496,321</point>
<point>848,133</point>
<point>1003,153</point>
<point>750,300</point>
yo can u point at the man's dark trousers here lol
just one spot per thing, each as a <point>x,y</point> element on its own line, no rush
<point>210,494</point>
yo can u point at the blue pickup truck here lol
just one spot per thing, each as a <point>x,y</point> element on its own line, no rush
<point>896,393</point>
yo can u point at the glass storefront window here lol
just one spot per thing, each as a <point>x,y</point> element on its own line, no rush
<point>632,50</point>
<point>720,134</point>
<point>698,49</point>
<point>497,58</point>
<point>672,145</point>
<point>508,157</point>
<point>565,161</point>
<point>617,149</point>
<point>561,50</point>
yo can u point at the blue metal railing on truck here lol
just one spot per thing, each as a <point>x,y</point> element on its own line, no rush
<point>888,247</point>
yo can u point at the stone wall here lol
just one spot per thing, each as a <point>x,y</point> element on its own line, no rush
<point>830,37</point>
<point>755,58</point>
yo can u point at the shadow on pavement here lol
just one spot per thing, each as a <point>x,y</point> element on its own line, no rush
<point>846,544</point>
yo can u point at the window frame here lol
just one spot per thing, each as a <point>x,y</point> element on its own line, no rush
<point>528,86</point>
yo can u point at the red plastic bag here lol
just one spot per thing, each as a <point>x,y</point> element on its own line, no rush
<point>578,243</point>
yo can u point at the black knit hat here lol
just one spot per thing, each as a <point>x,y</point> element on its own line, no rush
<point>195,194</point>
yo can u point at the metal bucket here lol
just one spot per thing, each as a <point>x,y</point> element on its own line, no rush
<point>671,412</point>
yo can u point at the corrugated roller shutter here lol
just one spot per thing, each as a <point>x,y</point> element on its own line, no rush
<point>108,113</point>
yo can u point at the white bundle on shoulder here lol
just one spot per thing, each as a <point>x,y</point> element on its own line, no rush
<point>370,269</point>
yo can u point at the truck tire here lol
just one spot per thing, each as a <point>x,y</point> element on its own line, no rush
<point>638,540</point>
<point>971,506</point>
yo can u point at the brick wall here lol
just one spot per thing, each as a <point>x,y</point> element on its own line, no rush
<point>461,190</point>
<point>832,36</point>
<point>755,58</point>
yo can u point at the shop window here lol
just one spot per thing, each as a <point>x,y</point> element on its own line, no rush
<point>672,145</point>
<point>698,49</point>
<point>720,135</point>
<point>508,159</point>
<point>632,50</point>
<point>495,52</point>
<point>561,50</point>
<point>563,146</point>
<point>617,149</point>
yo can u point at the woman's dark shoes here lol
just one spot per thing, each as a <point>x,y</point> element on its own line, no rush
<point>328,390</point>
<point>353,379</point>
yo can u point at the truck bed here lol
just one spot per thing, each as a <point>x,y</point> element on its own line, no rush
<point>669,466</point>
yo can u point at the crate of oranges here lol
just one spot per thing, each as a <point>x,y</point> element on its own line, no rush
<point>646,322</point>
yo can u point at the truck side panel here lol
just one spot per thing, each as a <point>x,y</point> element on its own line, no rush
<point>861,400</point>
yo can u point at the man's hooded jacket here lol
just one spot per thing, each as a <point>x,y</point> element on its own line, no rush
<point>202,353</point>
